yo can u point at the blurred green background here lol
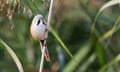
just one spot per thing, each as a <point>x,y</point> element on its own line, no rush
<point>72,21</point>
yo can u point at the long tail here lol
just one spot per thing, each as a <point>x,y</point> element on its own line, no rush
<point>47,57</point>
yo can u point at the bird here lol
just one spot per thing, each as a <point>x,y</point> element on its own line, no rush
<point>39,31</point>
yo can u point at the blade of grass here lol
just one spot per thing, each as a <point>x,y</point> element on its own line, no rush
<point>87,63</point>
<point>100,53</point>
<point>60,41</point>
<point>112,62</point>
<point>107,35</point>
<point>106,5</point>
<point>31,6</point>
<point>78,58</point>
<point>111,31</point>
<point>14,56</point>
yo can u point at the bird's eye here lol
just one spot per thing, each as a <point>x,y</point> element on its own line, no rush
<point>44,23</point>
<point>38,22</point>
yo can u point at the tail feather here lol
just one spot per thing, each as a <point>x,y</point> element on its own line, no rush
<point>47,57</point>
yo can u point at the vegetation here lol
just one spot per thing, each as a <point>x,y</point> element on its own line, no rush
<point>83,37</point>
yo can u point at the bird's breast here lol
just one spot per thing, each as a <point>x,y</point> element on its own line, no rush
<point>38,32</point>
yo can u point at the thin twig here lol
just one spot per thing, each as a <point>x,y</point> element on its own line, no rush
<point>14,56</point>
<point>42,58</point>
<point>49,14</point>
<point>48,24</point>
<point>42,61</point>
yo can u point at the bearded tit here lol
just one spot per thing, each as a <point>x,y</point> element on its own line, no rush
<point>39,31</point>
